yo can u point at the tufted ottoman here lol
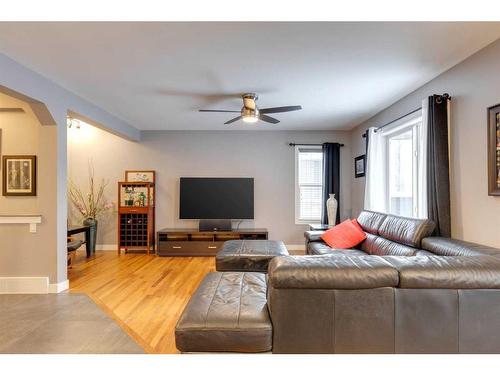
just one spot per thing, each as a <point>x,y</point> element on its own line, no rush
<point>248,255</point>
<point>227,313</point>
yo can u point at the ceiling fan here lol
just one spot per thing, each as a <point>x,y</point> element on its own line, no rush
<point>251,113</point>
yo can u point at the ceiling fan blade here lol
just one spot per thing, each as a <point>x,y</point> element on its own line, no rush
<point>11,110</point>
<point>218,110</point>
<point>281,109</point>
<point>270,119</point>
<point>233,120</point>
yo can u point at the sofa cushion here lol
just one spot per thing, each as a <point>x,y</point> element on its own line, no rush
<point>405,230</point>
<point>331,272</point>
<point>313,235</point>
<point>227,313</point>
<point>450,247</point>
<point>343,236</point>
<point>321,248</point>
<point>370,221</point>
<point>438,272</point>
<point>375,245</point>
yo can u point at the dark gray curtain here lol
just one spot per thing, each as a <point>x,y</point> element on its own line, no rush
<point>331,177</point>
<point>438,173</point>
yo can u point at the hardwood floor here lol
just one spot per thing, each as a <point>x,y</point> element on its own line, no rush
<point>144,294</point>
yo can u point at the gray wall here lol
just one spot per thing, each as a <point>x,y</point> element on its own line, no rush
<point>264,155</point>
<point>474,85</point>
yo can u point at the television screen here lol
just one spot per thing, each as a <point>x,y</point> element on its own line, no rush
<point>216,198</point>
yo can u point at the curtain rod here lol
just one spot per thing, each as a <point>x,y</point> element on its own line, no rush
<point>439,98</point>
<point>310,144</point>
<point>393,121</point>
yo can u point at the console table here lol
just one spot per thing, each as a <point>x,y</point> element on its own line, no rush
<point>192,242</point>
<point>82,229</point>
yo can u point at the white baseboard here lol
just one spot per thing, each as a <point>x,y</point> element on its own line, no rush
<point>295,247</point>
<point>59,287</point>
<point>30,285</point>
<point>24,285</point>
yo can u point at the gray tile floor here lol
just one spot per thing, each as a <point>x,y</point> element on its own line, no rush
<point>59,323</point>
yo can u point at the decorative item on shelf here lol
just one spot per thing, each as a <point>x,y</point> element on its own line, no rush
<point>19,175</point>
<point>494,150</point>
<point>90,205</point>
<point>129,200</point>
<point>359,166</point>
<point>331,209</point>
<point>142,199</point>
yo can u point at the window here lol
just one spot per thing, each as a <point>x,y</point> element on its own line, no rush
<point>402,143</point>
<point>308,184</point>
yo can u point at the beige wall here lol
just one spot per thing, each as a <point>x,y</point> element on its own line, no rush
<point>51,103</point>
<point>23,253</point>
<point>264,155</point>
<point>474,85</point>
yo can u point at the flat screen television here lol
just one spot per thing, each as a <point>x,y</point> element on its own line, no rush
<point>216,198</point>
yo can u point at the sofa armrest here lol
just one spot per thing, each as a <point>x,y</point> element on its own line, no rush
<point>451,247</point>
<point>327,272</point>
<point>313,235</point>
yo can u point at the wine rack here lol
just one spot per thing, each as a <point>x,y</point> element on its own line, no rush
<point>136,217</point>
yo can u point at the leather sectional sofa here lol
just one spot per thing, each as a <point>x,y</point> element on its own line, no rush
<point>401,291</point>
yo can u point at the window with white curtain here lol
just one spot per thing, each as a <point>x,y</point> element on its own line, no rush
<point>308,184</point>
<point>402,151</point>
<point>395,181</point>
<point>402,157</point>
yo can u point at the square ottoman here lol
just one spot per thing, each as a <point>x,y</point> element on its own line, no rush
<point>248,255</point>
<point>227,313</point>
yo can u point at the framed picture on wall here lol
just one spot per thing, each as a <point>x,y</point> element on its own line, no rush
<point>359,166</point>
<point>0,146</point>
<point>140,176</point>
<point>494,150</point>
<point>19,175</point>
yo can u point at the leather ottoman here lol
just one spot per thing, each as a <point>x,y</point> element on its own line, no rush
<point>227,313</point>
<point>248,255</point>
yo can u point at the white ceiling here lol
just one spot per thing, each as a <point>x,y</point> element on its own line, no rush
<point>157,75</point>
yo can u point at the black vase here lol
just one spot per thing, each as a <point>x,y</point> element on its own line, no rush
<point>92,223</point>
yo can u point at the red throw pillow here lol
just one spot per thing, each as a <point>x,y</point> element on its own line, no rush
<point>356,224</point>
<point>344,235</point>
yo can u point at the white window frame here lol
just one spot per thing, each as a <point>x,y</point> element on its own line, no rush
<point>298,220</point>
<point>413,122</point>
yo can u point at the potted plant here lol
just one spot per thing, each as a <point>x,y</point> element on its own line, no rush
<point>91,204</point>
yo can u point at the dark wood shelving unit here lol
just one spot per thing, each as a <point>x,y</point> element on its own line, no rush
<point>192,242</point>
<point>136,212</point>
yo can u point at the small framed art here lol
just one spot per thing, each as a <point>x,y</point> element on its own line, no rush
<point>19,175</point>
<point>494,150</point>
<point>140,176</point>
<point>359,166</point>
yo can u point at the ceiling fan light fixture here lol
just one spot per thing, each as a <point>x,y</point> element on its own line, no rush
<point>251,114</point>
<point>250,119</point>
